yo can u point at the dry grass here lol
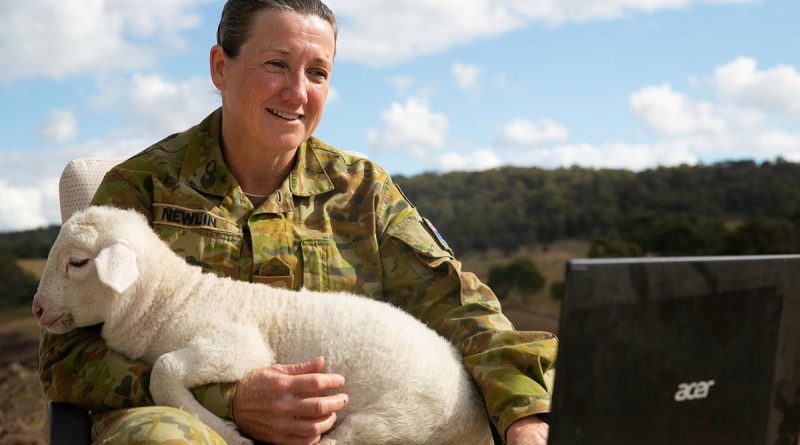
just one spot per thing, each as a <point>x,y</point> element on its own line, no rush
<point>539,311</point>
<point>34,267</point>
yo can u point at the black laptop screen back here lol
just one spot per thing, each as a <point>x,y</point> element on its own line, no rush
<point>679,351</point>
<point>670,371</point>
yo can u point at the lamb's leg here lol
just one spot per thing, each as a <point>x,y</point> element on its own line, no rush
<point>174,372</point>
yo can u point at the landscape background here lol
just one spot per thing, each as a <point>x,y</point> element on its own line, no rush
<point>528,131</point>
<point>514,227</point>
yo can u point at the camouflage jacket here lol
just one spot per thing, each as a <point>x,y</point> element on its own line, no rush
<point>336,223</point>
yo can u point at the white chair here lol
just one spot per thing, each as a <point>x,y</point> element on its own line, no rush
<point>80,180</point>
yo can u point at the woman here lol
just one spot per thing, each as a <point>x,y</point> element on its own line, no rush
<point>249,193</point>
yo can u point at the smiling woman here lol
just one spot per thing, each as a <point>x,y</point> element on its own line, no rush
<point>251,194</point>
<point>273,92</point>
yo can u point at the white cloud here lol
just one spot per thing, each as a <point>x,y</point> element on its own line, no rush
<point>162,107</point>
<point>61,126</point>
<point>687,130</point>
<point>402,83</point>
<point>743,127</point>
<point>333,95</point>
<point>668,112</point>
<point>776,89</point>
<point>466,75</point>
<point>526,133</point>
<point>476,161</point>
<point>611,155</point>
<point>30,179</point>
<point>411,126</point>
<point>22,208</point>
<point>386,32</point>
<point>57,38</point>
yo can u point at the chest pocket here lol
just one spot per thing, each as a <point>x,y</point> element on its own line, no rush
<point>324,267</point>
<point>213,251</point>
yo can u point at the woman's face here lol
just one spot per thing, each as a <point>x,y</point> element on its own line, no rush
<point>274,91</point>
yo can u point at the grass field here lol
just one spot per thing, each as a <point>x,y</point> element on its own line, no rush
<point>540,311</point>
<point>32,266</point>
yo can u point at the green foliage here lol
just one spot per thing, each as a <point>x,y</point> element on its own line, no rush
<point>519,278</point>
<point>557,290</point>
<point>758,237</point>
<point>682,235</point>
<point>16,285</point>
<point>610,247</point>
<point>30,243</point>
<point>664,211</point>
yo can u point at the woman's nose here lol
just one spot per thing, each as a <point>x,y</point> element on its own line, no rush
<point>295,90</point>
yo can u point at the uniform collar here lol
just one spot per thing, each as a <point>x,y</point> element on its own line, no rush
<point>308,177</point>
<point>205,170</point>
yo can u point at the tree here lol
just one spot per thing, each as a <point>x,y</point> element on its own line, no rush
<point>520,278</point>
<point>610,247</point>
<point>16,285</point>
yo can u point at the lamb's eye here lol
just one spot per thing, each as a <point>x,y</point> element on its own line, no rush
<point>76,262</point>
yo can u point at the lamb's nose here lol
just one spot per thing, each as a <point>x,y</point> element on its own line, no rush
<point>37,310</point>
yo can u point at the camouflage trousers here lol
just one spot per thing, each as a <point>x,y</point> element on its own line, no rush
<point>152,425</point>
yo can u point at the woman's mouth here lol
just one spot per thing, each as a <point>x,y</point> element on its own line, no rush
<point>285,116</point>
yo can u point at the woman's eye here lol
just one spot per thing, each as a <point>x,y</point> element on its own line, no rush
<point>319,74</point>
<point>274,64</point>
<point>76,262</point>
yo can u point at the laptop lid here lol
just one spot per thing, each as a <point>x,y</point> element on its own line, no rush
<point>701,350</point>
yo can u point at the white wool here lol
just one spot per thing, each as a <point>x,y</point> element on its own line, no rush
<point>405,383</point>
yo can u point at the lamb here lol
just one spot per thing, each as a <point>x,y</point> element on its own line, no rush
<point>406,384</point>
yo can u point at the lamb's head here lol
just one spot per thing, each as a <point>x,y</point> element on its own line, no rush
<point>91,268</point>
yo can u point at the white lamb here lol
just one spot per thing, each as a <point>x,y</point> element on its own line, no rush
<point>406,384</point>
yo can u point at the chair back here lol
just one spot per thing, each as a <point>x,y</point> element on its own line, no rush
<point>80,180</point>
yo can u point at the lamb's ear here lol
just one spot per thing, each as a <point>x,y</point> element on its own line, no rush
<point>116,267</point>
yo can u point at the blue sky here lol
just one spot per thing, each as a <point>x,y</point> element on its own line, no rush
<point>418,85</point>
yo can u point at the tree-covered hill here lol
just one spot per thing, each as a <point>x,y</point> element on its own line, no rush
<point>704,209</point>
<point>30,243</point>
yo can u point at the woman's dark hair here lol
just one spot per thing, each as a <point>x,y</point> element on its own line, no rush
<point>238,16</point>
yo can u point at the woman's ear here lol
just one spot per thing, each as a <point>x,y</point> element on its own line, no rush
<point>216,62</point>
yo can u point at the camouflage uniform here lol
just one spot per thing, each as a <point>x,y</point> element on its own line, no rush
<point>336,223</point>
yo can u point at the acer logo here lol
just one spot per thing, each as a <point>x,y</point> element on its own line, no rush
<point>693,390</point>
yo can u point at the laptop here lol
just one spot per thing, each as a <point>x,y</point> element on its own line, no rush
<point>696,350</point>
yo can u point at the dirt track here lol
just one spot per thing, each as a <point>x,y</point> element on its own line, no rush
<point>22,403</point>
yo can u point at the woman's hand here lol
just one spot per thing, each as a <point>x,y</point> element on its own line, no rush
<point>283,404</point>
<point>527,431</point>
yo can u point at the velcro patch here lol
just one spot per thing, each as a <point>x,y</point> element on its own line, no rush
<point>184,217</point>
<point>442,243</point>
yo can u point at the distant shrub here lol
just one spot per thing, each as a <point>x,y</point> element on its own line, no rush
<point>557,290</point>
<point>608,247</point>
<point>16,285</point>
<point>520,278</point>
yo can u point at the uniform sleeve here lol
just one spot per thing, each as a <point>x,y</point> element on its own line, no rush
<point>513,369</point>
<point>78,367</point>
